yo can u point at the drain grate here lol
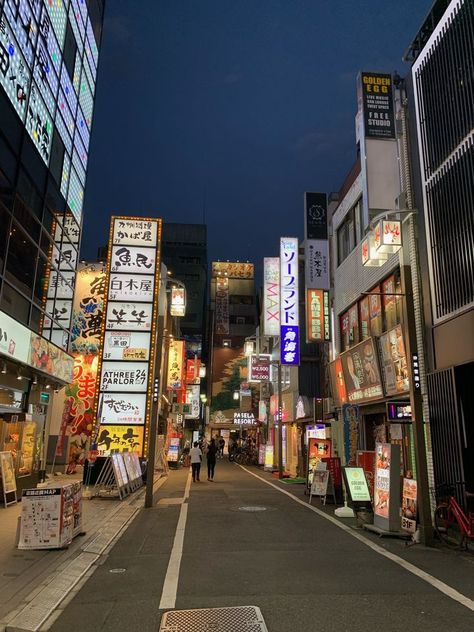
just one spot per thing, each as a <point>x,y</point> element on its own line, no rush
<point>234,619</point>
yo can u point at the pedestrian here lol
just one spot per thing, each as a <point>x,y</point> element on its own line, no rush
<point>231,448</point>
<point>221,446</point>
<point>196,458</point>
<point>211,459</point>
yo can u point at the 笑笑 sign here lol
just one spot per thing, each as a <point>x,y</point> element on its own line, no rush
<point>271,296</point>
<point>127,359</point>
<point>289,304</point>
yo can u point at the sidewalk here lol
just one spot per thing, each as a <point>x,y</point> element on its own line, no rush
<point>23,573</point>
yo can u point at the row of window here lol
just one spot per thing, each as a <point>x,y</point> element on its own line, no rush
<point>378,311</point>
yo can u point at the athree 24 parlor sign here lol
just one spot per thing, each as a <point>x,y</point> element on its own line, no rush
<point>128,334</point>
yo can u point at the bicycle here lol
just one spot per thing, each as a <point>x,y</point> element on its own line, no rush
<point>454,527</point>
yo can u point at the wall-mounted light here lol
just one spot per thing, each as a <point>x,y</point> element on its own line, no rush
<point>203,398</point>
<point>226,343</point>
<point>19,376</point>
<point>48,386</point>
<point>4,367</point>
<point>202,371</point>
<point>236,395</point>
<point>35,381</point>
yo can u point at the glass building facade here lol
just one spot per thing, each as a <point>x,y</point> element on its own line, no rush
<point>49,52</point>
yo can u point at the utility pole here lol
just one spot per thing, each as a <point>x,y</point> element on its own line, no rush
<point>280,424</point>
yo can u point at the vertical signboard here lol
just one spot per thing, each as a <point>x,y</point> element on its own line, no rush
<point>125,371</point>
<point>377,105</point>
<point>222,305</point>
<point>387,487</point>
<point>175,381</point>
<point>316,216</point>
<point>317,264</point>
<point>88,308</point>
<point>289,308</point>
<point>317,316</point>
<point>271,296</point>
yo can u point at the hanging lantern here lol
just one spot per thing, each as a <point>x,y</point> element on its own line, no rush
<point>388,236</point>
<point>370,256</point>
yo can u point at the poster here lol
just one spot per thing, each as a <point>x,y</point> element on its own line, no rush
<point>7,472</point>
<point>361,373</point>
<point>317,450</point>
<point>338,387</point>
<point>120,438</point>
<point>178,301</point>
<point>173,449</point>
<point>351,420</point>
<point>394,362</point>
<point>382,480</point>
<point>409,505</point>
<point>319,484</point>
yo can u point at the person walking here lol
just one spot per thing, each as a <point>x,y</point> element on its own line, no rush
<point>196,457</point>
<point>211,459</point>
<point>221,446</point>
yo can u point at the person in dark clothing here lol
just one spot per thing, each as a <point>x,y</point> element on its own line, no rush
<point>211,459</point>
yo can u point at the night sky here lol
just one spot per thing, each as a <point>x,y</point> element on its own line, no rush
<point>226,111</point>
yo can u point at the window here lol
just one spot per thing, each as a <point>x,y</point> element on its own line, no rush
<point>346,237</point>
<point>21,260</point>
<point>14,304</point>
<point>241,299</point>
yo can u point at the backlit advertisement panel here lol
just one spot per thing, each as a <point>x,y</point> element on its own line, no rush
<point>175,379</point>
<point>133,259</point>
<point>126,345</point>
<point>119,377</point>
<point>271,296</point>
<point>317,316</point>
<point>129,316</point>
<point>126,287</point>
<point>289,304</point>
<point>361,373</point>
<point>123,408</point>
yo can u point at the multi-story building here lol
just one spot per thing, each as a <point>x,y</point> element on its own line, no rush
<point>48,69</point>
<point>442,113</point>
<point>184,252</point>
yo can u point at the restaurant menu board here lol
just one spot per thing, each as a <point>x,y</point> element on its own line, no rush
<point>409,505</point>
<point>50,516</point>
<point>319,485</point>
<point>387,486</point>
<point>120,470</point>
<point>333,464</point>
<point>356,485</point>
<point>132,465</point>
<point>7,473</point>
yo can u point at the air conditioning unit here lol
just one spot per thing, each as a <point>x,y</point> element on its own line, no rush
<point>328,405</point>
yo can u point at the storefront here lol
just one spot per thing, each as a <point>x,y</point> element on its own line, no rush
<point>32,368</point>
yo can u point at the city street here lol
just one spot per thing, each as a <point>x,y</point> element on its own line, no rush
<point>298,567</point>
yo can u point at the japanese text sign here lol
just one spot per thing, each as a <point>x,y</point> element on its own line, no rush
<point>289,307</point>
<point>271,296</point>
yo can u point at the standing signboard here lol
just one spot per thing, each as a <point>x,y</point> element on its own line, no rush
<point>318,449</point>
<point>387,487</point>
<point>409,505</point>
<point>7,475</point>
<point>366,460</point>
<point>356,485</point>
<point>126,363</point>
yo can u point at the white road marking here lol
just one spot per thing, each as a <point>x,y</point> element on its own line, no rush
<point>170,586</point>
<point>450,592</point>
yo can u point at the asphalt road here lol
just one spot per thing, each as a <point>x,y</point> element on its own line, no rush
<point>302,571</point>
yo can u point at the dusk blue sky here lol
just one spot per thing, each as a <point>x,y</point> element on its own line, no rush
<point>238,106</point>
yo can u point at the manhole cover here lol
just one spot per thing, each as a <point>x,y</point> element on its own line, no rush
<point>235,619</point>
<point>117,570</point>
<point>252,508</point>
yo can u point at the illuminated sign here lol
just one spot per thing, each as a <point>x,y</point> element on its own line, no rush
<point>377,105</point>
<point>271,296</point>
<point>382,479</point>
<point>127,438</point>
<point>361,372</point>
<point>193,400</point>
<point>356,484</point>
<point>221,318</point>
<point>259,368</point>
<point>175,379</point>
<point>128,354</point>
<point>388,236</point>
<point>178,301</point>
<point>233,269</point>
<point>289,304</point>
<point>317,264</point>
<point>399,411</point>
<point>245,418</point>
<point>123,408</point>
<point>317,316</point>
<point>129,316</point>
<point>126,345</point>
<point>88,308</point>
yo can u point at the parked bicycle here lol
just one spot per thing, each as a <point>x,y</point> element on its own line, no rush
<point>454,527</point>
<point>246,457</point>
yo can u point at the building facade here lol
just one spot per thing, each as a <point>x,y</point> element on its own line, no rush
<point>442,114</point>
<point>49,56</point>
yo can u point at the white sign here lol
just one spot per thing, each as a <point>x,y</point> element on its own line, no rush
<point>126,345</point>
<point>122,408</point>
<point>192,398</point>
<point>129,316</point>
<point>60,311</point>
<point>125,287</point>
<point>289,281</point>
<point>61,285</point>
<point>133,259</point>
<point>14,339</point>
<point>245,418</point>
<point>271,296</point>
<point>124,377</point>
<point>317,264</point>
<point>134,232</point>
<point>178,301</point>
